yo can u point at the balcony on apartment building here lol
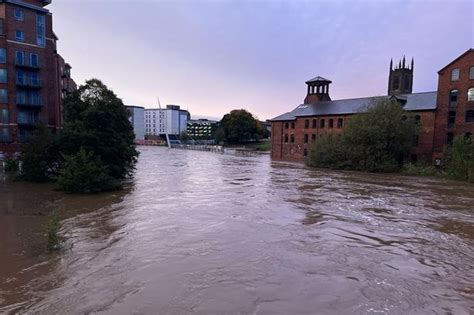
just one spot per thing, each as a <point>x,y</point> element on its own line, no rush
<point>29,82</point>
<point>27,100</point>
<point>27,63</point>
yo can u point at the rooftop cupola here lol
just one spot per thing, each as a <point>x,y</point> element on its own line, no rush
<point>318,90</point>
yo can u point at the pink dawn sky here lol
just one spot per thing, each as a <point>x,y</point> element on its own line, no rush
<point>214,56</point>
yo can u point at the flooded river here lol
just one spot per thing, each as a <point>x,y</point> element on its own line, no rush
<point>206,233</point>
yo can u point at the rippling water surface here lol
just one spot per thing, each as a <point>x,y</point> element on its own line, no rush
<point>205,233</point>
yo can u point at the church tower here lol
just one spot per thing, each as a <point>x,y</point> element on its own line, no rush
<point>400,79</point>
<point>318,90</point>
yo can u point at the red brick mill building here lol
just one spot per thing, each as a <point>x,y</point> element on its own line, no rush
<point>34,78</point>
<point>443,114</point>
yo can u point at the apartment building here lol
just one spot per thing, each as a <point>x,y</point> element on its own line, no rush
<point>34,78</point>
<point>171,120</point>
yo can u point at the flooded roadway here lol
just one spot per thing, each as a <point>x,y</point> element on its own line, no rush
<point>205,233</point>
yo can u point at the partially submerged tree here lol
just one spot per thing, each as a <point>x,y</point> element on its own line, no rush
<point>376,139</point>
<point>239,126</point>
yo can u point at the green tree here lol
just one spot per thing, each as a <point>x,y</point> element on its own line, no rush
<point>375,140</point>
<point>460,159</point>
<point>239,126</point>
<point>84,172</point>
<point>96,120</point>
<point>41,159</point>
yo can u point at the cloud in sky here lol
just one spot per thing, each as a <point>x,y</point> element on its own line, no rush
<point>214,56</point>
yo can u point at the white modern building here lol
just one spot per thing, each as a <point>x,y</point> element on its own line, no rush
<point>137,118</point>
<point>171,120</point>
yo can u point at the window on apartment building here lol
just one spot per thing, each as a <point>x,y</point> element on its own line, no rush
<point>470,116</point>
<point>453,98</point>
<point>306,138</point>
<point>340,123</point>
<point>292,125</point>
<point>4,116</point>
<point>20,77</point>
<point>305,152</point>
<point>2,27</point>
<point>321,123</point>
<point>306,123</point>
<point>313,137</point>
<point>3,75</point>
<point>34,79</point>
<point>292,138</point>
<point>286,138</point>
<point>35,98</point>
<point>34,60</point>
<point>471,73</point>
<point>21,97</point>
<point>470,94</point>
<point>19,36</point>
<point>314,123</point>
<point>5,137</point>
<point>3,55</point>
<point>451,119</point>
<point>3,96</point>
<point>287,125</point>
<point>449,138</point>
<point>331,123</point>
<point>19,15</point>
<point>455,74</point>
<point>20,58</point>
<point>40,30</point>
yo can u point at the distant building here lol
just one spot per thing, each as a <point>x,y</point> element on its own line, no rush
<point>442,114</point>
<point>34,78</point>
<point>171,120</point>
<point>137,118</point>
<point>201,129</point>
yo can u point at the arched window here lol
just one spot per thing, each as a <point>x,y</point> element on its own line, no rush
<point>340,122</point>
<point>306,123</point>
<point>286,138</point>
<point>314,123</point>
<point>331,123</point>
<point>292,139</point>
<point>470,94</point>
<point>451,119</point>
<point>453,98</point>
<point>470,116</point>
<point>455,74</point>
<point>321,123</point>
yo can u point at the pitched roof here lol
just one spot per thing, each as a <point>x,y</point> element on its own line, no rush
<point>465,53</point>
<point>318,79</point>
<point>414,102</point>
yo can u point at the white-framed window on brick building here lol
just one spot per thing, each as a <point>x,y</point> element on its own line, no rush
<point>453,98</point>
<point>3,75</point>
<point>3,96</point>
<point>455,74</point>
<point>19,36</point>
<point>19,15</point>
<point>470,94</point>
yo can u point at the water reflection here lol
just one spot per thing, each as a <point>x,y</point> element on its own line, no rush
<point>200,232</point>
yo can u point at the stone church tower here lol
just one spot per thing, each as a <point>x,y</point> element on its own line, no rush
<point>400,79</point>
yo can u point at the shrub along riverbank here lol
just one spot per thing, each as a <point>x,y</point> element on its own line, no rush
<point>92,152</point>
<point>379,139</point>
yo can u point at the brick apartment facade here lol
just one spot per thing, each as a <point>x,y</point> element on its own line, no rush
<point>34,78</point>
<point>442,114</point>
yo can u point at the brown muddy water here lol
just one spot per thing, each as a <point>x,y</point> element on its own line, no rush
<point>205,233</point>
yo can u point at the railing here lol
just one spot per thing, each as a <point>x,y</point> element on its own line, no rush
<point>29,101</point>
<point>206,148</point>
<point>28,120</point>
<point>29,83</point>
<point>27,64</point>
